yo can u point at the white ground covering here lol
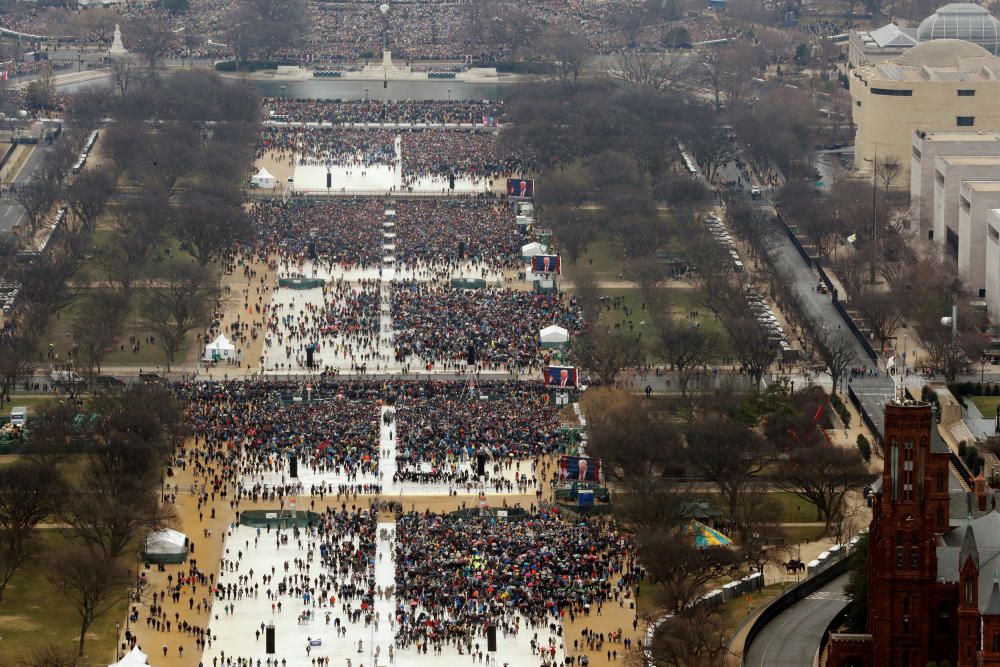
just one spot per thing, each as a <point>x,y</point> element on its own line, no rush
<point>234,634</point>
<point>376,179</point>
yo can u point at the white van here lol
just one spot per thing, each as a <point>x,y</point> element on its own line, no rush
<point>19,416</point>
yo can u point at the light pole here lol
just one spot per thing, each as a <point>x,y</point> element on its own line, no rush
<point>874,163</point>
<point>118,630</point>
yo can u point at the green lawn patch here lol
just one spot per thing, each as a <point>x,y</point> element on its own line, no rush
<point>148,356</point>
<point>34,613</point>
<point>987,405</point>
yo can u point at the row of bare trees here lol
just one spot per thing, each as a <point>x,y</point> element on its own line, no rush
<point>117,446</point>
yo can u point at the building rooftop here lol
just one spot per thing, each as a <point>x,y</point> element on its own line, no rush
<point>944,60</point>
<point>959,135</point>
<point>889,36</point>
<point>969,160</point>
<point>983,186</point>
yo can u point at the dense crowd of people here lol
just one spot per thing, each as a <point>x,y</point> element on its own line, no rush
<point>456,576</point>
<point>298,144</point>
<point>462,153</point>
<point>258,426</point>
<point>447,231</point>
<point>440,428</point>
<point>439,325</point>
<point>344,232</point>
<point>299,110</point>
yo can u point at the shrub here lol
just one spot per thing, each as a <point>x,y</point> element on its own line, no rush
<point>838,405</point>
<point>864,447</point>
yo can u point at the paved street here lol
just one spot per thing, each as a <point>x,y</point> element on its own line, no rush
<point>11,212</point>
<point>792,638</point>
<point>872,391</point>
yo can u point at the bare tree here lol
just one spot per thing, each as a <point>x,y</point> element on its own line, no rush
<point>88,195</point>
<point>92,582</point>
<point>179,305</point>
<point>655,71</point>
<point>152,38</point>
<point>687,348</point>
<point>837,351</point>
<point>606,353</point>
<point>881,312</point>
<point>648,273</point>
<point>755,350</point>
<point>729,455</point>
<point>712,149</point>
<point>853,273</point>
<point>588,293</point>
<point>822,474</point>
<point>28,492</point>
<point>694,637</point>
<point>211,221</point>
<point>96,327</point>
<point>17,360</point>
<point>568,51</point>
<point>36,197</point>
<point>887,170</point>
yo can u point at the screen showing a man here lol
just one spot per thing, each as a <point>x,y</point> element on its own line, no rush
<point>560,376</point>
<point>522,188</point>
<point>546,264</point>
<point>579,469</point>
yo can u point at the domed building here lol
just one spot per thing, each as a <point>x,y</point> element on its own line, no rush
<point>940,85</point>
<point>967,21</point>
<point>962,20</point>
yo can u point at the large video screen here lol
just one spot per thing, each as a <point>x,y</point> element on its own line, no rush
<point>522,188</point>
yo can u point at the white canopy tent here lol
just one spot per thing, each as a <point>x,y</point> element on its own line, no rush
<point>220,349</point>
<point>166,546</point>
<point>264,179</point>
<point>133,658</point>
<point>534,248</point>
<point>553,336</point>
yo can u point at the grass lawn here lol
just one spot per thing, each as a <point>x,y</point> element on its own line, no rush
<point>793,508</point>
<point>603,256</point>
<point>683,302</point>
<point>737,609</point>
<point>34,402</point>
<point>801,534</point>
<point>149,355</point>
<point>987,405</point>
<point>167,254</point>
<point>71,468</point>
<point>34,613</point>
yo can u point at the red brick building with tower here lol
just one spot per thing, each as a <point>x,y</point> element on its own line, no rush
<point>932,572</point>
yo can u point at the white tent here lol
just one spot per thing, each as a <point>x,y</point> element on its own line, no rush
<point>553,336</point>
<point>532,249</point>
<point>166,546</point>
<point>220,349</point>
<point>133,658</point>
<point>264,179</point>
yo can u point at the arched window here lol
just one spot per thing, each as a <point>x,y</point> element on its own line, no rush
<point>940,517</point>
<point>970,593</point>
